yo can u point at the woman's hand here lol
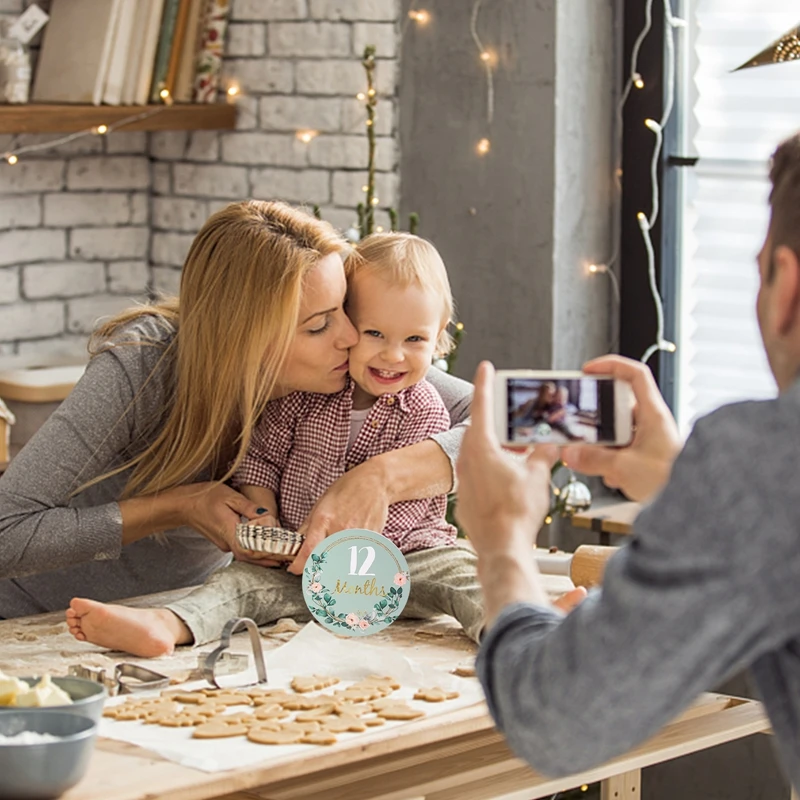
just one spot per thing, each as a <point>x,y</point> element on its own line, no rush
<point>214,509</point>
<point>358,499</point>
<point>642,468</point>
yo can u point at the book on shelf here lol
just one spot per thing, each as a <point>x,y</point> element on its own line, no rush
<point>126,52</point>
<point>184,83</point>
<point>76,51</point>
<point>120,49</point>
<point>209,60</point>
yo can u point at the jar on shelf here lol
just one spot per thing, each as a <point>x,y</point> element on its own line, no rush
<point>15,69</point>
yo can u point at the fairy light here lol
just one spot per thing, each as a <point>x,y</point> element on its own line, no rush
<point>488,59</point>
<point>548,519</point>
<point>369,123</point>
<point>233,90</point>
<point>375,201</point>
<point>638,82</point>
<point>483,146</point>
<point>11,158</point>
<point>307,135</point>
<point>421,17</point>
<point>361,96</point>
<point>365,188</point>
<point>100,130</point>
<point>371,93</point>
<point>379,229</point>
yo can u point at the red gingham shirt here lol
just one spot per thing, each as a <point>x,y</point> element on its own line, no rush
<point>300,448</point>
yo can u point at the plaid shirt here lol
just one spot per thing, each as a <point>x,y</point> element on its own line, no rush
<point>300,448</point>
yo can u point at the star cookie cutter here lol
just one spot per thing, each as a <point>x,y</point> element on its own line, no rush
<point>216,657</point>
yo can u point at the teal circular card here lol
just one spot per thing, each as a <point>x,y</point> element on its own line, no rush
<point>356,582</point>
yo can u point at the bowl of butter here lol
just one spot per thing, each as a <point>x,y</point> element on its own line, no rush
<point>78,696</point>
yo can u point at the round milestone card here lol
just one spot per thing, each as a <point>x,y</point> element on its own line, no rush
<point>356,582</point>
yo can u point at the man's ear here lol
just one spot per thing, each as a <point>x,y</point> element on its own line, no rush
<point>786,290</point>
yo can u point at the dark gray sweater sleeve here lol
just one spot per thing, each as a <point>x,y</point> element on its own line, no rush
<point>707,585</point>
<point>457,396</point>
<point>42,526</point>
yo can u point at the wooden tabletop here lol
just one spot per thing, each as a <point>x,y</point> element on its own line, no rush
<point>452,756</point>
<point>610,518</point>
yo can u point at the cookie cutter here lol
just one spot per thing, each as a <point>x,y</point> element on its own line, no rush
<point>210,672</point>
<point>126,678</point>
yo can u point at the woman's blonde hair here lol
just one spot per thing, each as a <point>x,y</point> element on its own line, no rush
<point>236,317</point>
<point>407,260</point>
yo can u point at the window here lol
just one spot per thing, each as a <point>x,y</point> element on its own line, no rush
<point>733,121</point>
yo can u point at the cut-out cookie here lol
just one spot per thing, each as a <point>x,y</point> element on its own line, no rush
<point>400,711</point>
<point>319,737</point>
<point>464,670</point>
<point>184,720</point>
<point>435,695</point>
<point>311,683</point>
<point>218,730</point>
<point>344,724</point>
<point>267,736</point>
<point>274,711</point>
<point>307,703</point>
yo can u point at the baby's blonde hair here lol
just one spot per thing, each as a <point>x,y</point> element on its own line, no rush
<point>407,260</point>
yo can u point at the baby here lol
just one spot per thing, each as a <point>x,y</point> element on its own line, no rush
<point>400,303</point>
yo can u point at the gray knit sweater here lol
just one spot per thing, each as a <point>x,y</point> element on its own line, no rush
<point>707,587</point>
<point>53,545</point>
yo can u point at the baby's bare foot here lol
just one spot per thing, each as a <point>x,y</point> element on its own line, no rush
<point>147,632</point>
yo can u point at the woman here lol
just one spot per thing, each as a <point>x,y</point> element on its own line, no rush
<point>122,490</point>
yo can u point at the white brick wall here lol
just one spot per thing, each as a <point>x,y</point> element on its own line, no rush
<point>94,224</point>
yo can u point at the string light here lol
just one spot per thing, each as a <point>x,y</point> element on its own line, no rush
<point>307,135</point>
<point>379,229</point>
<point>375,201</point>
<point>365,188</point>
<point>646,223</point>
<point>100,130</point>
<point>361,96</point>
<point>233,90</point>
<point>11,158</point>
<point>421,17</point>
<point>487,59</point>
<point>483,147</point>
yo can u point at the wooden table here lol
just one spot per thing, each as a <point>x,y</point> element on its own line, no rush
<point>453,756</point>
<point>610,518</point>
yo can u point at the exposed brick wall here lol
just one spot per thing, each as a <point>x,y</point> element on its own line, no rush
<point>90,226</point>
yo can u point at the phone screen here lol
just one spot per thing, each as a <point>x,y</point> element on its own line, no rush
<point>561,410</point>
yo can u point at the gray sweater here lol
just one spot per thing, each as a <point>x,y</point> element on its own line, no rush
<point>54,546</point>
<point>707,586</point>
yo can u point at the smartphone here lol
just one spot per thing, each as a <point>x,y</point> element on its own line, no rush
<point>539,407</point>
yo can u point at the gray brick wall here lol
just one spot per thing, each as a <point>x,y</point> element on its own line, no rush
<point>93,225</point>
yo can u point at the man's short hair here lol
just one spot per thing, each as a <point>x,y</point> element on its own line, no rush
<point>785,195</point>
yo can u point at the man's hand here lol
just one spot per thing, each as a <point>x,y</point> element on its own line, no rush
<point>642,468</point>
<point>358,499</point>
<point>502,501</point>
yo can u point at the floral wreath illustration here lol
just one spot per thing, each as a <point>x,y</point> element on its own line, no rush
<point>384,612</point>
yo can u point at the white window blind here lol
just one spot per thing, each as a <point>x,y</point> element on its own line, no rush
<point>734,121</point>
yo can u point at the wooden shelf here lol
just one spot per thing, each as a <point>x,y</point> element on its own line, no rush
<point>46,118</point>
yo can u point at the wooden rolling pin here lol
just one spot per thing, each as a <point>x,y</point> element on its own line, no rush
<point>584,567</point>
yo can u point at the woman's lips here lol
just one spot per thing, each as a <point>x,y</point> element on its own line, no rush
<point>388,376</point>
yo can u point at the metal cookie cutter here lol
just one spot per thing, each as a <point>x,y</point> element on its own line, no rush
<point>127,678</point>
<point>215,657</point>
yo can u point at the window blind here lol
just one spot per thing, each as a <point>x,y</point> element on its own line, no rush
<point>733,123</point>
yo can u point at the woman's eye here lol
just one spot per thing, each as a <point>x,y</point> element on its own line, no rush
<point>315,331</point>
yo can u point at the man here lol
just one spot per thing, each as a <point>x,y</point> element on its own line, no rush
<point>707,586</point>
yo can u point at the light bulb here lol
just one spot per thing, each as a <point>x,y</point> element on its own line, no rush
<point>485,56</point>
<point>483,147</point>
<point>653,125</point>
<point>637,81</point>
<point>11,158</point>
<point>307,135</point>
<point>375,201</point>
<point>459,326</point>
<point>643,223</point>
<point>100,129</point>
<point>379,229</point>
<point>365,188</point>
<point>421,17</point>
<point>670,347</point>
<point>361,96</point>
<point>233,90</point>
<point>369,123</point>
<point>548,519</point>
<point>371,93</point>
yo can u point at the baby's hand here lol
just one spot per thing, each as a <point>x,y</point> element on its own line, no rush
<point>266,520</point>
